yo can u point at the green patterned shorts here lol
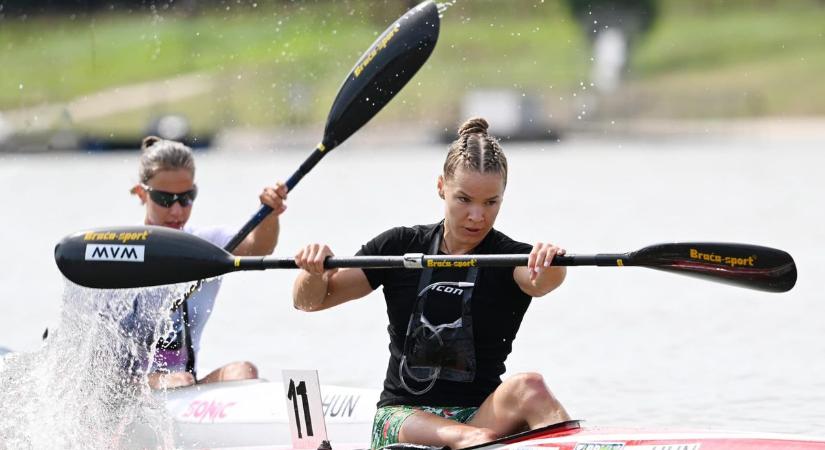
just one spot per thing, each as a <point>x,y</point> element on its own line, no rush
<point>388,420</point>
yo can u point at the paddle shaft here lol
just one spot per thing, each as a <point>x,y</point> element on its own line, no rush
<point>381,72</point>
<point>776,276</point>
<point>265,210</point>
<point>421,261</point>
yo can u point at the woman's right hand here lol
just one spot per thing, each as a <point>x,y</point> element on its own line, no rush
<point>311,258</point>
<point>316,289</point>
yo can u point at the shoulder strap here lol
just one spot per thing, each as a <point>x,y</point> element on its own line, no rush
<point>427,274</point>
<point>187,339</point>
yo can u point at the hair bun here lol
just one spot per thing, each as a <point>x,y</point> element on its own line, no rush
<point>476,125</point>
<point>149,141</point>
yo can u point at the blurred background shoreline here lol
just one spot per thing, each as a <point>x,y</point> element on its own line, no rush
<point>273,68</point>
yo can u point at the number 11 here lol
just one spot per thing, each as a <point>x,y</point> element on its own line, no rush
<point>293,394</point>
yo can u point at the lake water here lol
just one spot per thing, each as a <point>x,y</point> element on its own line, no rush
<point>618,346</point>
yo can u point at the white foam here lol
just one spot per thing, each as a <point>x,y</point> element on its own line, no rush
<point>86,386</point>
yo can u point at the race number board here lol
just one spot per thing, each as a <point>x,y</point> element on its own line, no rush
<point>304,408</point>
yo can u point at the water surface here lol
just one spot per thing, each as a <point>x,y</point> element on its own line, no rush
<point>619,346</point>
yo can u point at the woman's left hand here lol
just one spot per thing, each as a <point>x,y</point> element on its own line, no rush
<point>541,258</point>
<point>274,197</point>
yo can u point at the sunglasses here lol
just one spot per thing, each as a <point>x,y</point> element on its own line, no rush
<point>167,199</point>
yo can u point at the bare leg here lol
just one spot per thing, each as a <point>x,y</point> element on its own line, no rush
<point>429,429</point>
<point>520,403</point>
<point>159,380</point>
<point>242,370</point>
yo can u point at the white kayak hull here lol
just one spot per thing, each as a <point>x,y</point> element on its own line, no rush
<point>254,413</point>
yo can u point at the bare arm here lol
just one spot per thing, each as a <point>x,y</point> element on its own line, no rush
<point>313,292</point>
<point>263,239</point>
<point>539,277</point>
<point>316,289</point>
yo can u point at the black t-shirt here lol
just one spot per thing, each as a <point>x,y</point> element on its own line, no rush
<point>498,306</point>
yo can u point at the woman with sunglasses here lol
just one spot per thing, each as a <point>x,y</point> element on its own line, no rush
<point>167,190</point>
<point>450,329</point>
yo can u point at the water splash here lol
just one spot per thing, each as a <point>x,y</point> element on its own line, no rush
<point>444,6</point>
<point>157,22</point>
<point>86,387</point>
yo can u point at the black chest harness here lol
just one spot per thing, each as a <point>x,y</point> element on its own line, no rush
<point>445,351</point>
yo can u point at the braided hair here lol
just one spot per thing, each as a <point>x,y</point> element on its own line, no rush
<point>475,150</point>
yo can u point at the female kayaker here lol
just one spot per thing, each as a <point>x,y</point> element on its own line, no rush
<point>450,329</point>
<point>167,190</point>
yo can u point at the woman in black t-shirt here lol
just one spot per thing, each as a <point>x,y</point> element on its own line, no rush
<point>450,329</point>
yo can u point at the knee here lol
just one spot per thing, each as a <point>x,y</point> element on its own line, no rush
<point>158,380</point>
<point>532,389</point>
<point>529,381</point>
<point>242,370</point>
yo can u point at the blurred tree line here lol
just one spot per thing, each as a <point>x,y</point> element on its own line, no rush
<point>12,7</point>
<point>91,6</point>
<point>63,6</point>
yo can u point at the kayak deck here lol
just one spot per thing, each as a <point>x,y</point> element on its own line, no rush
<point>571,436</point>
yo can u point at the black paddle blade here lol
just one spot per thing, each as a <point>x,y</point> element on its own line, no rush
<point>123,257</point>
<point>743,265</point>
<point>382,71</point>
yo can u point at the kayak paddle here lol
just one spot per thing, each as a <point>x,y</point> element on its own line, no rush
<point>382,71</point>
<point>126,257</point>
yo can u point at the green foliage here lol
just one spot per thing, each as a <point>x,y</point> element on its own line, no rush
<point>280,63</point>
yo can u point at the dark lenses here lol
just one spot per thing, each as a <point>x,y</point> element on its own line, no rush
<point>167,199</point>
